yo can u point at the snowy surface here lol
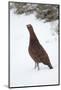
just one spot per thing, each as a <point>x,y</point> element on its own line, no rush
<point>22,72</point>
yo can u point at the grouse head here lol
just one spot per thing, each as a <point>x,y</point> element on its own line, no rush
<point>31,31</point>
<point>29,27</point>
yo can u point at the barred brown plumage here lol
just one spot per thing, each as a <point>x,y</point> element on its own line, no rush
<point>36,51</point>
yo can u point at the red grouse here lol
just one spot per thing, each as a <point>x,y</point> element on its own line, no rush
<point>36,50</point>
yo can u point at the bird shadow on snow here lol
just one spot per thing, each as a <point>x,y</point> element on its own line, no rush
<point>42,68</point>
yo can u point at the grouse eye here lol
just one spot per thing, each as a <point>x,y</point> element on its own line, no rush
<point>28,25</point>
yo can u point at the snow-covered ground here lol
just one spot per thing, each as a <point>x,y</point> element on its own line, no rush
<point>22,72</point>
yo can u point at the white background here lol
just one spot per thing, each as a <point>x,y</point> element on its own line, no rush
<point>4,44</point>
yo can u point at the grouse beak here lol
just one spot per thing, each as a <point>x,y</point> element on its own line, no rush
<point>27,25</point>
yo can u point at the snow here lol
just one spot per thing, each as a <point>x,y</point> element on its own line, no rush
<point>22,72</point>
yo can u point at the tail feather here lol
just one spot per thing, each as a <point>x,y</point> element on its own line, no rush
<point>50,66</point>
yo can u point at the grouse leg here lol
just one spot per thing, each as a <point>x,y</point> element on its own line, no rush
<point>35,65</point>
<point>38,66</point>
